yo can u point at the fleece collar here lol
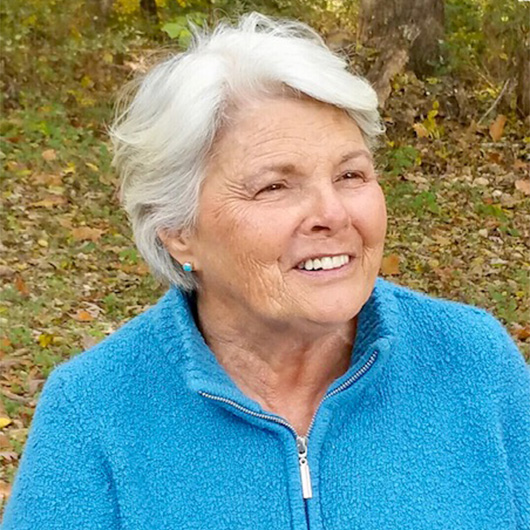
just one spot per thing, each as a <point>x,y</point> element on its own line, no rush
<point>376,331</point>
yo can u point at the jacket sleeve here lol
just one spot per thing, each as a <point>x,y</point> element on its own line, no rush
<point>513,393</point>
<point>63,480</point>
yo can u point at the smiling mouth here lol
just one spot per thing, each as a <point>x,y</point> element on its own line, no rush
<point>324,263</point>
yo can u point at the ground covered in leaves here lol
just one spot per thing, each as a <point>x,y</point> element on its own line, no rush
<point>456,179</point>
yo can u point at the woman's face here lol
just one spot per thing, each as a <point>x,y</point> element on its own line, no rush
<point>289,181</point>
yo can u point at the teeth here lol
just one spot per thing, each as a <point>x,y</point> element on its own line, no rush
<point>308,265</point>
<point>325,263</point>
<point>337,261</point>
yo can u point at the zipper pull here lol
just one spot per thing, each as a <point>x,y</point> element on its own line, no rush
<point>305,475</point>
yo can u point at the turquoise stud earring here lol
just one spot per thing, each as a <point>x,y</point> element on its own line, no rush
<point>187,266</point>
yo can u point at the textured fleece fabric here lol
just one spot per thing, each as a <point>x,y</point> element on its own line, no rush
<point>428,429</point>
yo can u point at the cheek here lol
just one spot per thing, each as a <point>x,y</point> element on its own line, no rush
<point>370,217</point>
<point>242,232</point>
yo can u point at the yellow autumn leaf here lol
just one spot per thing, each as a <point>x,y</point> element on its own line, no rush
<point>86,82</point>
<point>420,130</point>
<point>85,233</point>
<point>390,265</point>
<point>83,316</point>
<point>4,422</point>
<point>497,127</point>
<point>45,339</point>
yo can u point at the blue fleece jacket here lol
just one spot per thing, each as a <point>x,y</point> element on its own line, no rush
<point>428,429</point>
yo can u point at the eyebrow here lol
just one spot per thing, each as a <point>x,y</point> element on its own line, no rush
<point>290,169</point>
<point>358,153</point>
<point>284,169</point>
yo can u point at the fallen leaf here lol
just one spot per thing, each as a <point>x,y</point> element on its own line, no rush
<point>420,130</point>
<point>142,269</point>
<point>390,265</point>
<point>6,271</point>
<point>50,201</point>
<point>4,422</point>
<point>442,240</point>
<point>65,222</point>
<point>49,155</point>
<point>88,342</point>
<point>5,490</point>
<point>87,233</point>
<point>497,127</point>
<point>47,179</point>
<point>83,316</point>
<point>519,164</point>
<point>523,332</point>
<point>495,157</point>
<point>10,456</point>
<point>35,384</point>
<point>45,339</point>
<point>21,287</point>
<point>473,128</point>
<point>15,166</point>
<point>523,185</point>
<point>43,243</point>
<point>4,441</point>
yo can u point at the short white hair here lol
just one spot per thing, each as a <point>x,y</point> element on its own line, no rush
<point>162,138</point>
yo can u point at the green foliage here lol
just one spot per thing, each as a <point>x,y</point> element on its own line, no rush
<point>179,27</point>
<point>505,302</point>
<point>425,201</point>
<point>129,256</point>
<point>483,36</point>
<point>493,210</point>
<point>399,159</point>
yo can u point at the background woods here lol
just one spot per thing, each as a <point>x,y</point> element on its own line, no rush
<point>453,82</point>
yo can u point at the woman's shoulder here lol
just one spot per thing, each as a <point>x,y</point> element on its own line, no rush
<point>426,307</point>
<point>446,321</point>
<point>439,334</point>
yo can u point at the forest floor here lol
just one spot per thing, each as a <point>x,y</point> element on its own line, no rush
<point>457,182</point>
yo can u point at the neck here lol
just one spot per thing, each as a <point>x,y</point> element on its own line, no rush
<point>287,370</point>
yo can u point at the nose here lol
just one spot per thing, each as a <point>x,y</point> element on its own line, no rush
<point>325,211</point>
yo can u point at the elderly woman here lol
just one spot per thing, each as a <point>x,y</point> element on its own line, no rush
<point>278,384</point>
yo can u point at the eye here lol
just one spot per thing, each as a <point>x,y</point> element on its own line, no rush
<point>272,187</point>
<point>352,175</point>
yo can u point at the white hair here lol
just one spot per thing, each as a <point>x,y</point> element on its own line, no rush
<point>163,137</point>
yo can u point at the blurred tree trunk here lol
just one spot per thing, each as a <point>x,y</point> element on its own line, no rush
<point>149,9</point>
<point>404,31</point>
<point>523,78</point>
<point>101,10</point>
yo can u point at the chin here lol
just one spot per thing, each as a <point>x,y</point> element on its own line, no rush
<point>335,313</point>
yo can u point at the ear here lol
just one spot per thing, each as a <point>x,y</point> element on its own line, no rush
<point>179,243</point>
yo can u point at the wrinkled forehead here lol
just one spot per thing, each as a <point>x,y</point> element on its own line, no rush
<point>278,127</point>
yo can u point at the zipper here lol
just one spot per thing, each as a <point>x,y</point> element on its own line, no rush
<point>301,441</point>
<point>305,475</point>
